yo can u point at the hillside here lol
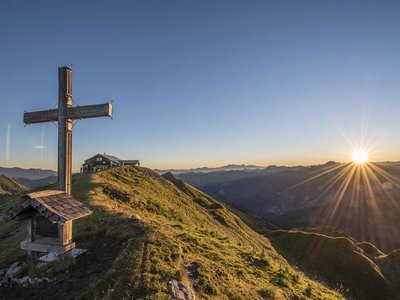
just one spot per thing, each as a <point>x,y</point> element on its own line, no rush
<point>9,186</point>
<point>362,270</point>
<point>183,234</point>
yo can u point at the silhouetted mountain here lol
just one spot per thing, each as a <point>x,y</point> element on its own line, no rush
<point>200,179</point>
<point>26,173</point>
<point>230,167</point>
<point>36,183</point>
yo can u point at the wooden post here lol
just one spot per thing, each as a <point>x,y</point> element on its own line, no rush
<point>65,233</point>
<point>31,254</point>
<point>64,129</point>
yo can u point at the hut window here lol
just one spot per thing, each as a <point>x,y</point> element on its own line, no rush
<point>45,228</point>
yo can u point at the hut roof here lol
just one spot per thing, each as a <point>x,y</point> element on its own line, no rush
<point>131,161</point>
<point>57,206</point>
<point>107,157</point>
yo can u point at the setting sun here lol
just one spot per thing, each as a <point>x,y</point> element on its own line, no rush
<point>360,156</point>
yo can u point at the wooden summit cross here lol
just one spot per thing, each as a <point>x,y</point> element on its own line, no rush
<point>50,213</point>
<point>64,115</point>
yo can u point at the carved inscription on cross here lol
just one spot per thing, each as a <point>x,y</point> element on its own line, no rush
<point>64,115</point>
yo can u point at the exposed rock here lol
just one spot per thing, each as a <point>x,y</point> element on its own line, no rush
<point>25,281</point>
<point>135,218</point>
<point>51,257</point>
<point>179,290</point>
<point>4,279</point>
<point>7,276</point>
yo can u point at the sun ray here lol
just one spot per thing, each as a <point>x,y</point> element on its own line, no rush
<point>341,191</point>
<point>386,175</point>
<point>378,182</point>
<point>335,179</point>
<point>370,191</point>
<point>319,174</point>
<point>379,185</point>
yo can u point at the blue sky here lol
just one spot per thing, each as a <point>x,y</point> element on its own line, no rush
<point>199,83</point>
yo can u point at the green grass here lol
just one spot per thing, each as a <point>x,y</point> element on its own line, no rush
<point>253,221</point>
<point>10,250</point>
<point>337,260</point>
<point>369,249</point>
<point>184,235</point>
<point>9,186</point>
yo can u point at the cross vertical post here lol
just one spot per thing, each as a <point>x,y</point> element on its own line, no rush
<point>64,129</point>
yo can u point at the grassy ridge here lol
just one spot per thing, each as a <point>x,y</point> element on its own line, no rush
<point>186,236</point>
<point>9,186</point>
<point>183,234</point>
<point>337,259</point>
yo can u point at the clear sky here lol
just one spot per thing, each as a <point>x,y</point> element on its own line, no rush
<point>204,83</point>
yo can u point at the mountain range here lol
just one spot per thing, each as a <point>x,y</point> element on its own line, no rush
<point>31,174</point>
<point>36,183</point>
<point>230,167</point>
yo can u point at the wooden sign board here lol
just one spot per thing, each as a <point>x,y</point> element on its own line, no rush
<point>89,111</point>
<point>41,116</point>
<point>77,112</point>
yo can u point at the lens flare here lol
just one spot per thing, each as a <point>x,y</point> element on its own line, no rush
<point>8,143</point>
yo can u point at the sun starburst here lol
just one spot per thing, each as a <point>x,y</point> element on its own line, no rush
<point>355,194</point>
<point>360,156</point>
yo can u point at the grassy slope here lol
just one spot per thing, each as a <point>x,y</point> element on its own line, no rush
<point>185,235</point>
<point>9,247</point>
<point>9,186</point>
<point>337,259</point>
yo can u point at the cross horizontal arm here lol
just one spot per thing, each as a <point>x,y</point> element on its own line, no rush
<point>77,112</point>
<point>41,116</point>
<point>89,111</point>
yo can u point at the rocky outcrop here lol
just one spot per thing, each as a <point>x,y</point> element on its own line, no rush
<point>179,290</point>
<point>7,274</point>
